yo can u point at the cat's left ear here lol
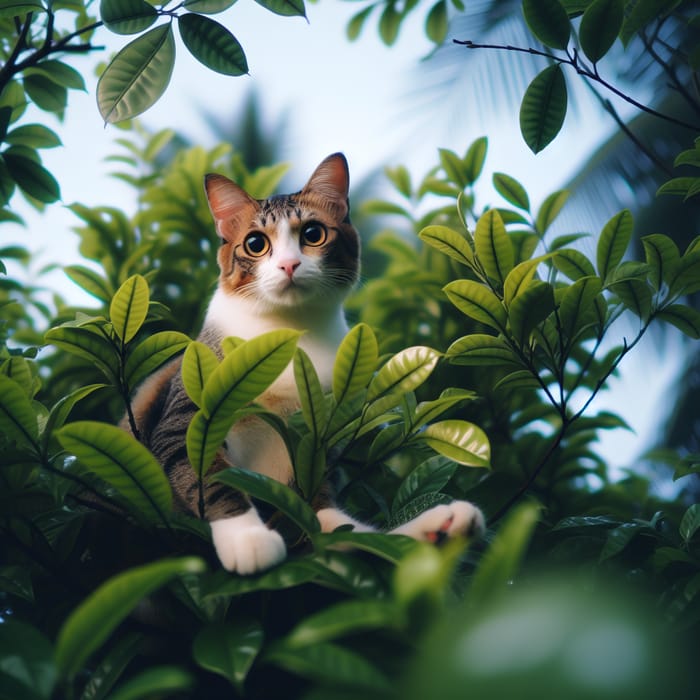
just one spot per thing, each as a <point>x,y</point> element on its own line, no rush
<point>331,181</point>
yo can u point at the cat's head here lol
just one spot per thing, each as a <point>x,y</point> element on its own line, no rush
<point>288,250</point>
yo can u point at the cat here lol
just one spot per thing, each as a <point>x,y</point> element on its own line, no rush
<point>285,262</point>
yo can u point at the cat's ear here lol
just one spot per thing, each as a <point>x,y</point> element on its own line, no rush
<point>331,181</point>
<point>231,206</point>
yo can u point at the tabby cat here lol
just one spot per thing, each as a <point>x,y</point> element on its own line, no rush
<point>285,262</point>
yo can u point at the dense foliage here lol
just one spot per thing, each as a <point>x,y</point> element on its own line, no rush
<point>480,341</point>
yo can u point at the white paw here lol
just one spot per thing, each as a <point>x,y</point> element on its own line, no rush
<point>459,518</point>
<point>245,545</point>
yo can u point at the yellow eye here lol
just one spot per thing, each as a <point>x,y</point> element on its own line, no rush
<point>314,234</point>
<point>256,244</point>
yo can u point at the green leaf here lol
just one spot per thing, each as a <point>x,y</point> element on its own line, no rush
<point>502,560</point>
<point>91,346</point>
<point>663,258</point>
<point>517,381</point>
<point>208,7</point>
<point>600,25</point>
<point>543,108</point>
<point>459,440</point>
<point>127,16</point>
<point>59,73</point>
<point>341,619</point>
<point>687,277</point>
<point>212,44</point>
<point>389,24</point>
<point>355,362</point>
<point>229,649</point>
<point>151,353</point>
<point>436,23</point>
<point>326,662</point>
<point>90,281</point>
<point>313,403</point>
<point>449,242</point>
<point>19,8</point>
<point>273,492</point>
<point>493,247</point>
<point>478,302</point>
<point>511,190</point>
<point>137,76</point>
<point>129,307</point>
<point>635,294</point>
<point>427,411</point>
<point>530,308</point>
<point>682,317</point>
<point>62,408</point>
<point>18,420</point>
<point>286,8</point>
<point>573,264</point>
<point>94,620</point>
<point>427,478</point>
<point>474,158</point>
<point>618,538</point>
<point>45,93</point>
<point>690,522</point>
<point>403,372</point>
<point>309,466</point>
<point>575,302</point>
<point>613,242</point>
<point>7,186</point>
<point>550,209</point>
<point>641,13</point>
<point>548,21</point>
<point>157,681</point>
<point>198,363</point>
<point>454,168</point>
<point>357,22</point>
<point>33,136</point>
<point>519,278</point>
<point>32,177</point>
<point>480,349</point>
<point>27,671</point>
<point>119,459</point>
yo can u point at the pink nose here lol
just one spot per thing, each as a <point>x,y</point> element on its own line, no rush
<point>289,266</point>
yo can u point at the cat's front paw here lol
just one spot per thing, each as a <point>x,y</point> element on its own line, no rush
<point>459,518</point>
<point>245,545</point>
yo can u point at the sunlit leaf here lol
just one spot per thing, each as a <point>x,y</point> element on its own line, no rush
<point>273,492</point>
<point>543,108</point>
<point>91,281</point>
<point>493,247</point>
<point>137,76</point>
<point>91,346</point>
<point>532,305</point>
<point>123,462</point>
<point>459,440</point>
<point>309,466</point>
<point>428,411</point>
<point>481,349</point>
<point>576,301</point>
<point>313,403</point>
<point>151,353</point>
<point>573,264</point>
<point>229,649</point>
<point>548,21</point>
<point>404,372</point>
<point>355,362</point>
<point>599,27</point>
<point>635,294</point>
<point>129,307</point>
<point>198,363</point>
<point>449,242</point>
<point>613,242</point>
<point>94,620</point>
<point>212,44</point>
<point>478,302</point>
<point>127,16</point>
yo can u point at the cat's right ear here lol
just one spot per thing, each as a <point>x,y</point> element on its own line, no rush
<point>231,206</point>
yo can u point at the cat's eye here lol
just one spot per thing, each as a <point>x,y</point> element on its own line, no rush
<point>256,244</point>
<point>314,234</point>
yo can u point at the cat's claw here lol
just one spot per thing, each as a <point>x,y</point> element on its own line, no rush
<point>459,518</point>
<point>245,545</point>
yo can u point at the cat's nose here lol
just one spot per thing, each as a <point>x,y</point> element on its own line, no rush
<point>289,266</point>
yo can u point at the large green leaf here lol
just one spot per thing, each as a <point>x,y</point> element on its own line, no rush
<point>198,364</point>
<point>392,548</point>
<point>519,278</point>
<point>127,16</point>
<point>355,362</point>
<point>212,44</point>
<point>459,440</point>
<point>123,462</point>
<point>151,353</point>
<point>94,620</point>
<point>576,301</point>
<point>663,258</point>
<point>129,307</point>
<point>478,302</point>
<point>91,281</point>
<point>229,649</point>
<point>137,76</point>
<point>273,492</point>
<point>309,466</point>
<point>511,190</point>
<point>550,209</point>
<point>449,242</point>
<point>573,263</point>
<point>313,403</point>
<point>45,93</point>
<point>155,682</point>
<point>532,306</point>
<point>61,410</point>
<point>501,561</point>
<point>600,25</point>
<point>427,478</point>
<point>89,345</point>
<point>18,420</point>
<point>31,176</point>
<point>403,372</point>
<point>428,411</point>
<point>613,242</point>
<point>494,249</point>
<point>286,8</point>
<point>635,294</point>
<point>683,317</point>
<point>548,21</point>
<point>481,349</point>
<point>543,108</point>
<point>33,136</point>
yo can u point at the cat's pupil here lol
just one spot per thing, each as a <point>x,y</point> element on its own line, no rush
<point>256,244</point>
<point>314,234</point>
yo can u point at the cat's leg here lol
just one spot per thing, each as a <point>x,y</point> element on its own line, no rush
<point>332,518</point>
<point>459,518</point>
